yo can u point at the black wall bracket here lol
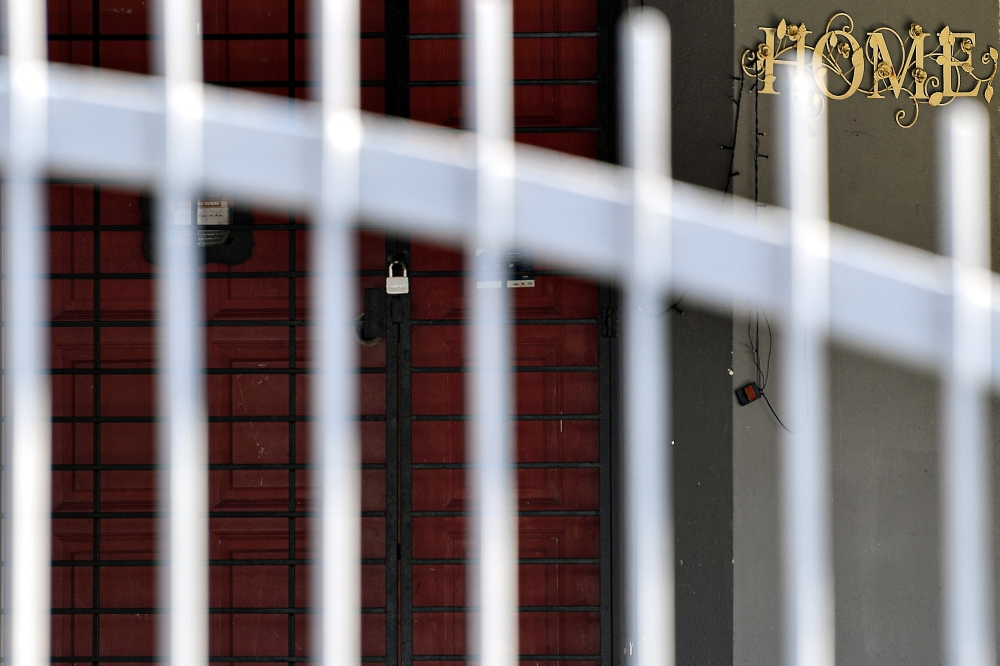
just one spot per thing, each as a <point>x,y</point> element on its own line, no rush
<point>369,328</point>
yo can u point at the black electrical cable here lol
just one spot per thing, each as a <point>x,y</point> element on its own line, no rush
<point>676,305</point>
<point>673,306</point>
<point>776,417</point>
<point>763,373</point>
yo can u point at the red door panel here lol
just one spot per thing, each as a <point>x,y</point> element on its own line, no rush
<point>562,632</point>
<point>439,633</point>
<point>559,504</point>
<point>551,344</point>
<point>538,536</point>
<point>539,585</point>
<point>537,393</point>
<point>557,633</point>
<point>537,441</point>
<point>566,489</point>
<point>253,404</point>
<point>536,58</point>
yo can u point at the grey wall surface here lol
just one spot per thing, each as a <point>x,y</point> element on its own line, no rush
<point>703,485</point>
<point>883,418</point>
<point>885,505</point>
<point>702,117</point>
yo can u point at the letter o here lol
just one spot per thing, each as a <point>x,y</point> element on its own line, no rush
<point>857,60</point>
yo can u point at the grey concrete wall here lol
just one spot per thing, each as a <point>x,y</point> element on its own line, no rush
<point>883,418</point>
<point>884,464</point>
<point>702,116</point>
<point>703,485</point>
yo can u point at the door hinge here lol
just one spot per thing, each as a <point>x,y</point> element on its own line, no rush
<point>609,322</point>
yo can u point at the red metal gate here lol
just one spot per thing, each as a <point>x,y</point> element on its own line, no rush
<point>414,594</point>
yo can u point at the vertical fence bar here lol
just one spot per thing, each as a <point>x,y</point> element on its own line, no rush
<point>808,563</point>
<point>966,516</point>
<point>489,62</point>
<point>28,393</point>
<point>645,59</point>
<point>183,436</point>
<point>336,578</point>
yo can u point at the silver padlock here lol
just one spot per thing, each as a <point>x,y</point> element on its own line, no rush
<point>397,284</point>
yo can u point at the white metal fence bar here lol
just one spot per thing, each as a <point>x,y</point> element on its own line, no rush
<point>635,225</point>
<point>489,63</point>
<point>28,390</point>
<point>337,578</point>
<point>808,562</point>
<point>967,527</point>
<point>649,544</point>
<point>182,428</point>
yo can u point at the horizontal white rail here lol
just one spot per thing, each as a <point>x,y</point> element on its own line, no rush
<point>884,296</point>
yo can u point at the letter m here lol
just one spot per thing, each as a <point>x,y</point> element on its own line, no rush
<point>880,53</point>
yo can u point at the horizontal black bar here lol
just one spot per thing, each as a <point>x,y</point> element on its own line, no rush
<point>86,659</point>
<point>206,371</point>
<point>522,560</point>
<point>518,417</point>
<point>211,563</point>
<point>82,659</point>
<point>239,36</point>
<point>367,418</point>
<point>519,368</point>
<point>520,465</point>
<point>212,467</point>
<point>556,129</point>
<point>263,467</point>
<point>211,419</point>
<point>377,610</point>
<point>517,35</point>
<point>521,609</point>
<point>295,514</point>
<point>283,275</point>
<point>307,561</point>
<point>523,513</point>
<point>261,323</point>
<point>211,514</point>
<point>522,322</point>
<point>282,84</point>
<point>279,659</point>
<point>85,371</point>
<point>210,37</point>
<point>517,82</point>
<point>521,657</point>
<point>134,228</point>
<point>547,273</point>
<point>213,275</point>
<point>211,611</point>
<point>411,84</point>
<point>151,323</point>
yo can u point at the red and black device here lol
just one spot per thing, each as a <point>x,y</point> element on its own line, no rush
<point>747,394</point>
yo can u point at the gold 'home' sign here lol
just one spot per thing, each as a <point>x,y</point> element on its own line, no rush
<point>898,66</point>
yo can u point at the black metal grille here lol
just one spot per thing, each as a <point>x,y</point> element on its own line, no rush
<point>85,578</point>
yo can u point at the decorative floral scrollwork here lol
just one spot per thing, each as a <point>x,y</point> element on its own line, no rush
<point>898,65</point>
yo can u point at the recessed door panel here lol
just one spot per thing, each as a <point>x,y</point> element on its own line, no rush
<point>558,478</point>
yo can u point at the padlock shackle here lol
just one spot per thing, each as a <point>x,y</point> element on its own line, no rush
<point>400,263</point>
